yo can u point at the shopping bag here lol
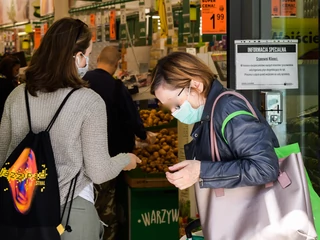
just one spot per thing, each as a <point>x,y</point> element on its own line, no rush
<point>280,210</point>
<point>314,197</point>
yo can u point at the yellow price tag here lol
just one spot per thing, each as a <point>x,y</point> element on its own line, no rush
<point>28,28</point>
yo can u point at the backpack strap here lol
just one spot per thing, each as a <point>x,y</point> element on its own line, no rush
<point>72,188</point>
<point>59,109</point>
<point>28,108</point>
<point>55,115</point>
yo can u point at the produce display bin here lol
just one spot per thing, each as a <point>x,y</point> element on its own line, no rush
<point>139,179</point>
<point>148,205</point>
<point>154,213</point>
<point>150,213</point>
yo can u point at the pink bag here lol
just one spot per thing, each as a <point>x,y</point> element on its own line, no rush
<point>275,211</point>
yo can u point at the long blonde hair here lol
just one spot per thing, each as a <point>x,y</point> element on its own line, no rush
<point>178,69</point>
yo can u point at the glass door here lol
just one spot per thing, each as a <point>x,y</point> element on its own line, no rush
<point>299,20</point>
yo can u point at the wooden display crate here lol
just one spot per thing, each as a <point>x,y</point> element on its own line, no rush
<point>153,180</point>
<point>150,213</point>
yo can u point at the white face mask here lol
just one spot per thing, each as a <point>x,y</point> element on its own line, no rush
<point>82,70</point>
<point>187,114</point>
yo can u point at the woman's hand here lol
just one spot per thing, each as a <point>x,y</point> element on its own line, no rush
<point>151,137</point>
<point>186,173</point>
<point>133,162</point>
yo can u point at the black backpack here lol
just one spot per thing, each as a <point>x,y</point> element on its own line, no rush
<point>29,190</point>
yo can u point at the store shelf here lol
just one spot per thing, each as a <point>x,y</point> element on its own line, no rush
<point>99,5</point>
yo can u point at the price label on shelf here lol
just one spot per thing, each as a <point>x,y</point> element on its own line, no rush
<point>214,19</point>
<point>142,12</point>
<point>284,8</point>
<point>142,20</point>
<point>93,27</point>
<point>275,8</point>
<point>123,16</point>
<point>112,32</point>
<point>106,23</point>
<point>288,8</point>
<point>169,15</point>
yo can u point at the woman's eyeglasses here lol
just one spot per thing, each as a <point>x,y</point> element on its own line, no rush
<point>177,106</point>
<point>180,92</point>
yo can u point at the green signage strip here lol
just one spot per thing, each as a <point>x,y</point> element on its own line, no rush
<point>186,17</point>
<point>142,20</point>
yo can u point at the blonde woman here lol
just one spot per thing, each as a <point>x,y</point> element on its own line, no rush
<point>188,88</point>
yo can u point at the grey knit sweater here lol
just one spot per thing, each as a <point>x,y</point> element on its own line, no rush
<point>79,135</point>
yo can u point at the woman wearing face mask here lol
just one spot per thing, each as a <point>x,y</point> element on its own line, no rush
<point>79,135</point>
<point>9,73</point>
<point>82,62</point>
<point>188,88</point>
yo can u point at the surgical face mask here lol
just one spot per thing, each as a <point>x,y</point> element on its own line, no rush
<point>83,70</point>
<point>187,114</point>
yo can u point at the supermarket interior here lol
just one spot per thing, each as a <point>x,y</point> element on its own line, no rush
<point>226,35</point>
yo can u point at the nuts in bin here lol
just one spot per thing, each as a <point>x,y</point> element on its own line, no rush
<point>156,158</point>
<point>155,117</point>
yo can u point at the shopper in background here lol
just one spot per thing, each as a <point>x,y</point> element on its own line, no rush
<point>79,136</point>
<point>124,123</point>
<point>188,88</point>
<point>9,73</point>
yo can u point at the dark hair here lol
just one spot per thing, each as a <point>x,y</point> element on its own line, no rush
<point>7,64</point>
<point>52,65</point>
<point>177,70</point>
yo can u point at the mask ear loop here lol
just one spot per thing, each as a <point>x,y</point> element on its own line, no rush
<point>78,60</point>
<point>189,95</point>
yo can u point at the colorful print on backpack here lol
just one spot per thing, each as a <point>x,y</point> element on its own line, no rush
<point>23,178</point>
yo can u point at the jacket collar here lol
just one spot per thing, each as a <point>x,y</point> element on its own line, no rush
<point>215,90</point>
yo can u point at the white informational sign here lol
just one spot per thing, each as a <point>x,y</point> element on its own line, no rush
<point>192,51</point>
<point>142,11</point>
<point>98,19</point>
<point>169,15</point>
<point>123,16</point>
<point>106,17</point>
<point>266,64</point>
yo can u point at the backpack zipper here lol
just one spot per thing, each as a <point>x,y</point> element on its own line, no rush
<point>202,180</point>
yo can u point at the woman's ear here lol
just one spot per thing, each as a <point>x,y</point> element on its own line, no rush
<point>78,57</point>
<point>197,85</point>
<point>78,54</point>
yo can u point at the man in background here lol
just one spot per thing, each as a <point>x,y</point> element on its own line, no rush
<point>124,123</point>
<point>9,72</point>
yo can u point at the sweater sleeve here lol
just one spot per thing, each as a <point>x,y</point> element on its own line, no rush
<point>98,164</point>
<point>5,135</point>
